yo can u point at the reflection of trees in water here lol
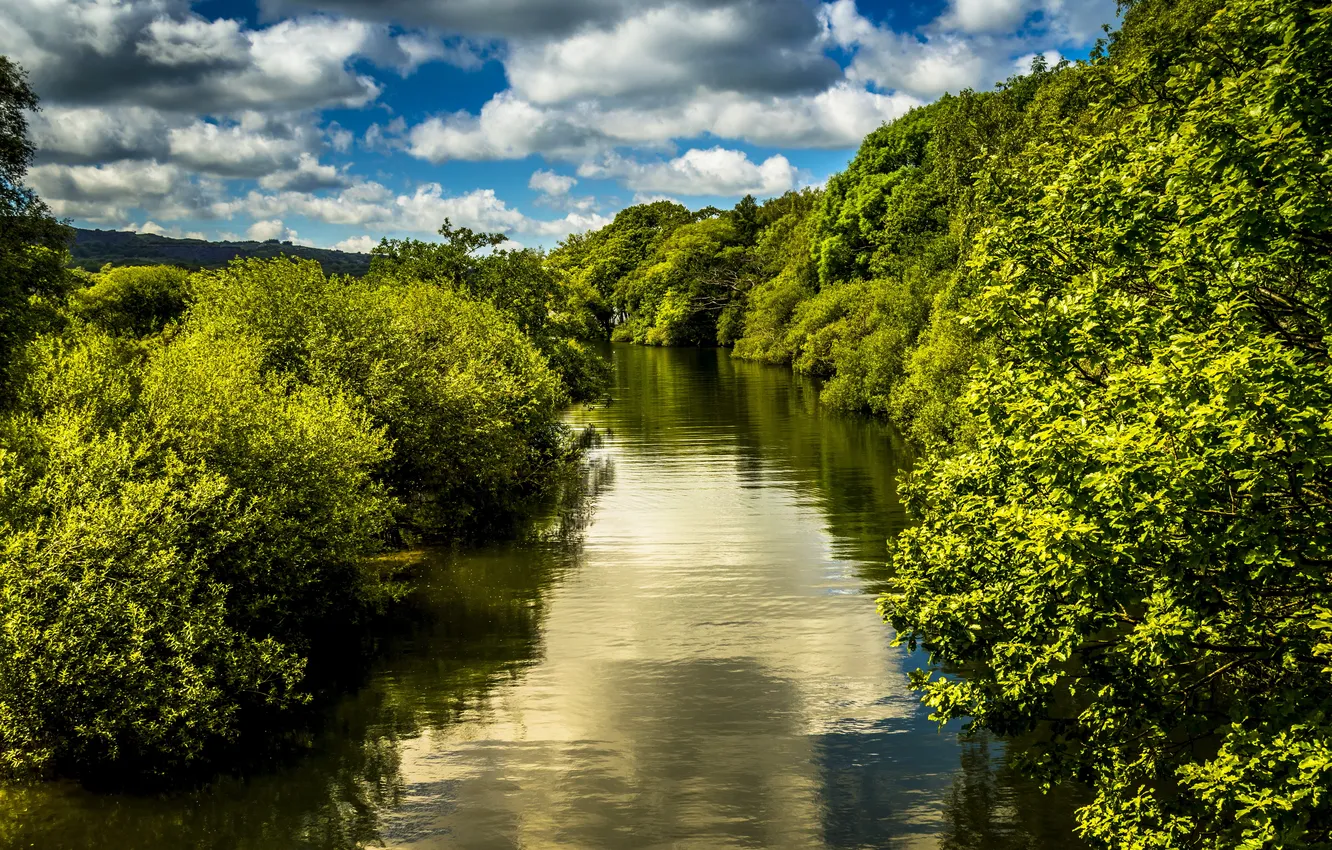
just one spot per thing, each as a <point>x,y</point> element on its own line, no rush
<point>695,750</point>
<point>573,501</point>
<point>473,621</point>
<point>782,436</point>
<point>879,793</point>
<point>330,806</point>
<point>849,464</point>
<point>989,807</point>
<point>880,787</point>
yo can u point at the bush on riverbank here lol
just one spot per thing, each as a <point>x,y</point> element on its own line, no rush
<point>196,469</point>
<point>184,513</point>
<point>559,314</point>
<point>173,526</point>
<point>131,301</point>
<point>464,398</point>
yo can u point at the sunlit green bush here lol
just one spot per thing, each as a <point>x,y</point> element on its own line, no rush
<point>183,516</point>
<point>556,311</point>
<point>115,640</point>
<point>171,528</point>
<point>1129,554</point>
<point>788,278</point>
<point>467,402</point>
<point>132,300</point>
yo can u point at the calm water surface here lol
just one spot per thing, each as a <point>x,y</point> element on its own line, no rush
<point>683,654</point>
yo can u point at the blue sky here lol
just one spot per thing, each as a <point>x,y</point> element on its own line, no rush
<point>338,122</point>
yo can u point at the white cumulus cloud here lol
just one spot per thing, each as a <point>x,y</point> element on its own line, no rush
<point>987,15</point>
<point>715,171</point>
<point>156,111</point>
<point>245,149</point>
<point>551,184</point>
<point>357,244</point>
<point>262,231</point>
<point>308,175</point>
<point>374,207</point>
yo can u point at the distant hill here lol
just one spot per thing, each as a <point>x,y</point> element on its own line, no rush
<point>93,249</point>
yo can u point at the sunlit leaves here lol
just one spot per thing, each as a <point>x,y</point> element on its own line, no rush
<point>186,516</point>
<point>1128,557</point>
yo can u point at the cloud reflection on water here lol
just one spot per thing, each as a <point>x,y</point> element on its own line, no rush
<point>683,654</point>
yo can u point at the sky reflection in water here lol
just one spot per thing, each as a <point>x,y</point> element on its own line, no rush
<point>685,654</point>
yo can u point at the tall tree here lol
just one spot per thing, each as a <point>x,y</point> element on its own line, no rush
<point>32,242</point>
<point>553,311</point>
<point>453,261</point>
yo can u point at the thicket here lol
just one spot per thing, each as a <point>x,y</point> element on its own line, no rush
<point>557,313</point>
<point>1101,297</point>
<point>185,514</point>
<point>1130,554</point>
<point>196,471</point>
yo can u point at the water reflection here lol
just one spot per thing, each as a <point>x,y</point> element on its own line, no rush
<point>682,653</point>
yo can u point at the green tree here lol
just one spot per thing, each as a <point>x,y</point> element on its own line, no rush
<point>787,276</point>
<point>32,243</point>
<point>454,261</point>
<point>745,218</point>
<point>467,400</point>
<point>175,529</point>
<point>1127,557</point>
<point>692,287</point>
<point>133,300</point>
<point>558,313</point>
<point>600,260</point>
<point>188,519</point>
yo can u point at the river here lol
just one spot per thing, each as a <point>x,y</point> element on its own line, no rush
<point>683,652</point>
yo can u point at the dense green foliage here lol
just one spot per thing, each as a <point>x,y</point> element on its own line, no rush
<point>861,284</point>
<point>1129,554</point>
<point>198,470</point>
<point>1099,295</point>
<point>597,262</point>
<point>184,513</point>
<point>156,583</point>
<point>32,243</point>
<point>135,301</point>
<point>556,313</point>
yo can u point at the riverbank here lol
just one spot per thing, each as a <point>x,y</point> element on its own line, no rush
<point>200,471</point>
<point>684,650</point>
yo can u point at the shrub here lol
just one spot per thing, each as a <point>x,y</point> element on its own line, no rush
<point>468,403</point>
<point>133,300</point>
<point>184,518</point>
<point>157,587</point>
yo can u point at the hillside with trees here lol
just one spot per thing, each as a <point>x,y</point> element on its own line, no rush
<point>92,249</point>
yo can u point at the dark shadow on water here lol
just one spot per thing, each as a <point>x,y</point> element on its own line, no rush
<point>474,621</point>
